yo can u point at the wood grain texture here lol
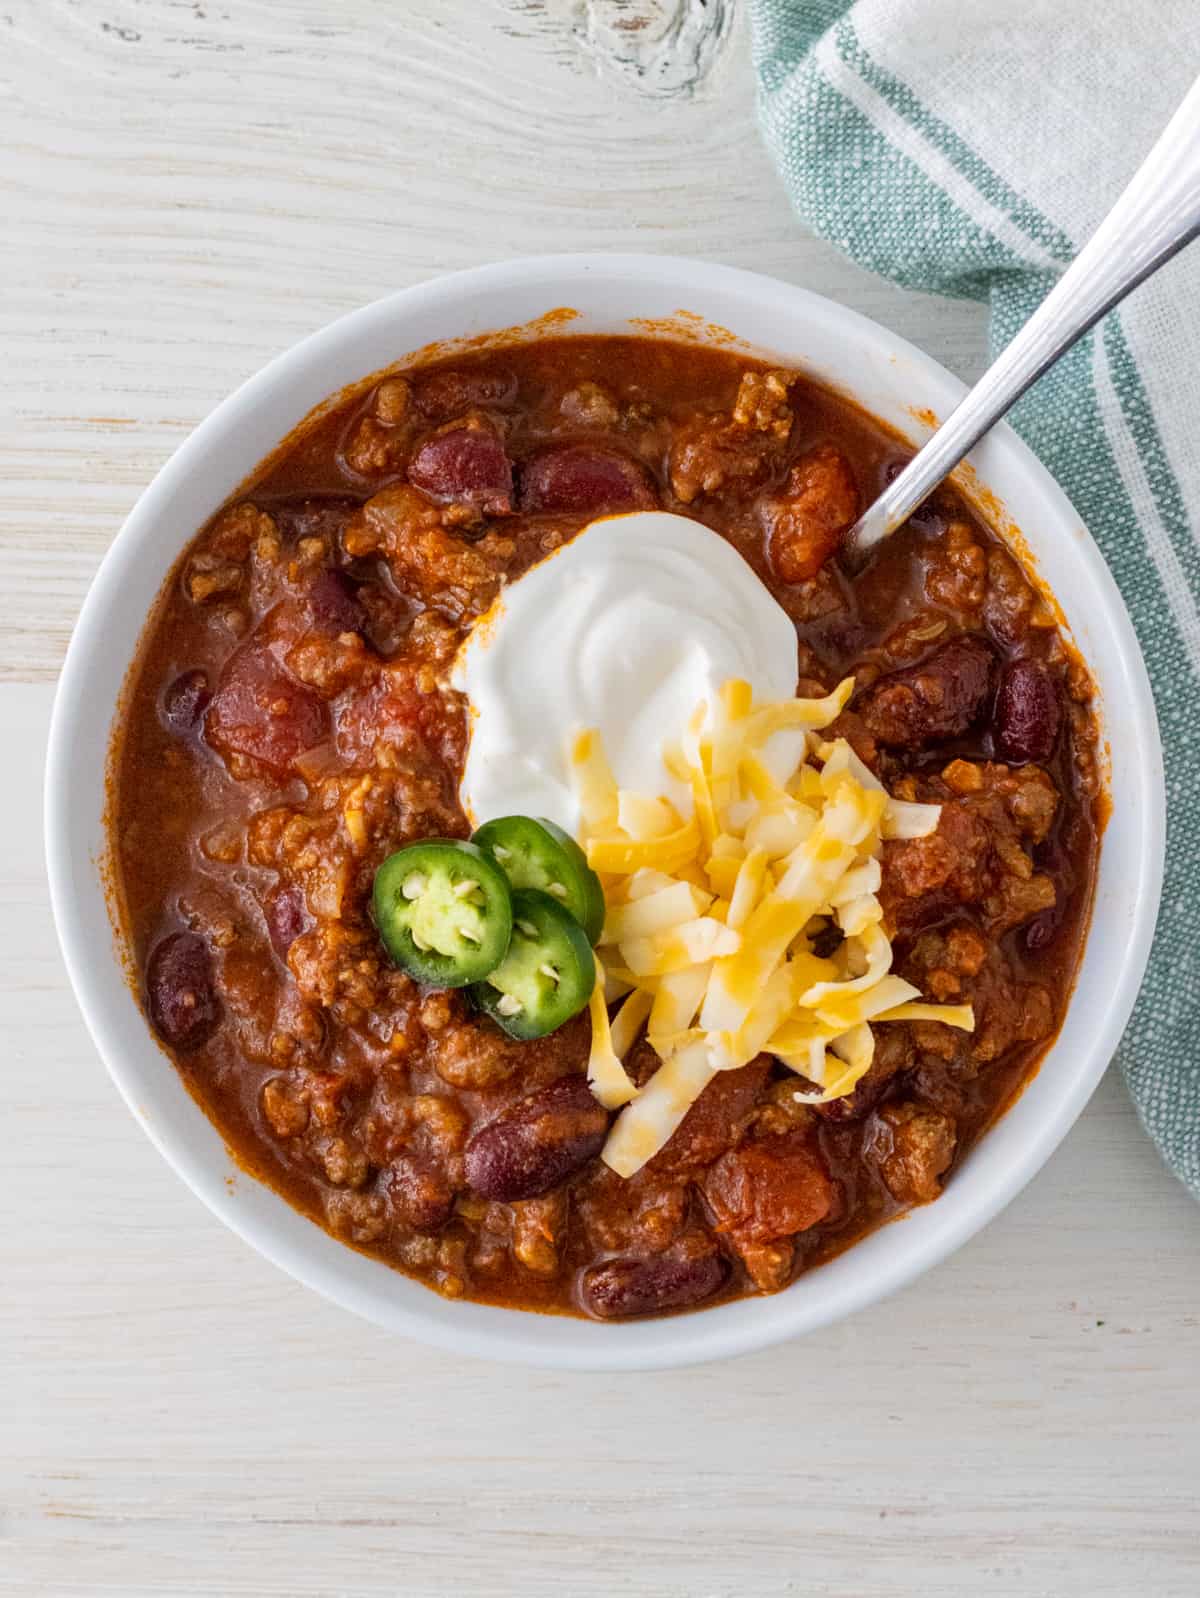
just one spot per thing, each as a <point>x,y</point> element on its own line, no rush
<point>189,187</point>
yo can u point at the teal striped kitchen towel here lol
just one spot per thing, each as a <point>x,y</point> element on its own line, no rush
<point>970,149</point>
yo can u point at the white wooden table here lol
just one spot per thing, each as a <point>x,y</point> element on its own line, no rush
<point>188,186</point>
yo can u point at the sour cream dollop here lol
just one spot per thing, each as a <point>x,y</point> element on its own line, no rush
<point>625,629</point>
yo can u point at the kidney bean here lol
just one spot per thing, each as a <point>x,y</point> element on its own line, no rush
<point>333,603</point>
<point>441,395</point>
<point>286,919</point>
<point>651,1286</point>
<point>180,995</point>
<point>185,701</point>
<point>583,477</point>
<point>537,1143</point>
<point>940,697</point>
<point>1027,713</point>
<point>465,464</point>
<point>262,713</point>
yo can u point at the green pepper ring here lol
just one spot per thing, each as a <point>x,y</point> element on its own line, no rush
<point>548,974</point>
<point>443,909</point>
<point>535,853</point>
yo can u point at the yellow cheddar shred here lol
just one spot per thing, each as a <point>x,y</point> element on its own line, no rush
<point>607,1077</point>
<point>709,937</point>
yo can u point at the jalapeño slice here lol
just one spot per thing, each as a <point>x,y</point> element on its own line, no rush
<point>548,974</point>
<point>537,854</point>
<point>444,911</point>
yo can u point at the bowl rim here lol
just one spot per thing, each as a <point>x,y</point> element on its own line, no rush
<point>673,1340</point>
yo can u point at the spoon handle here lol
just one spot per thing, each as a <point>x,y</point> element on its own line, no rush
<point>1158,213</point>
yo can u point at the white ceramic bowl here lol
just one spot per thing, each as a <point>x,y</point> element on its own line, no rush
<point>889,378</point>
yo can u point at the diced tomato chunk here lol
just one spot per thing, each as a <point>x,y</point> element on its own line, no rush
<point>769,1188</point>
<point>262,713</point>
<point>805,524</point>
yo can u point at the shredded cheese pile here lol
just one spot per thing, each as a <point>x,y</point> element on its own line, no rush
<point>708,940</point>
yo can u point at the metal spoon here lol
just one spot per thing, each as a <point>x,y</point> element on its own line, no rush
<point>1158,214</point>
